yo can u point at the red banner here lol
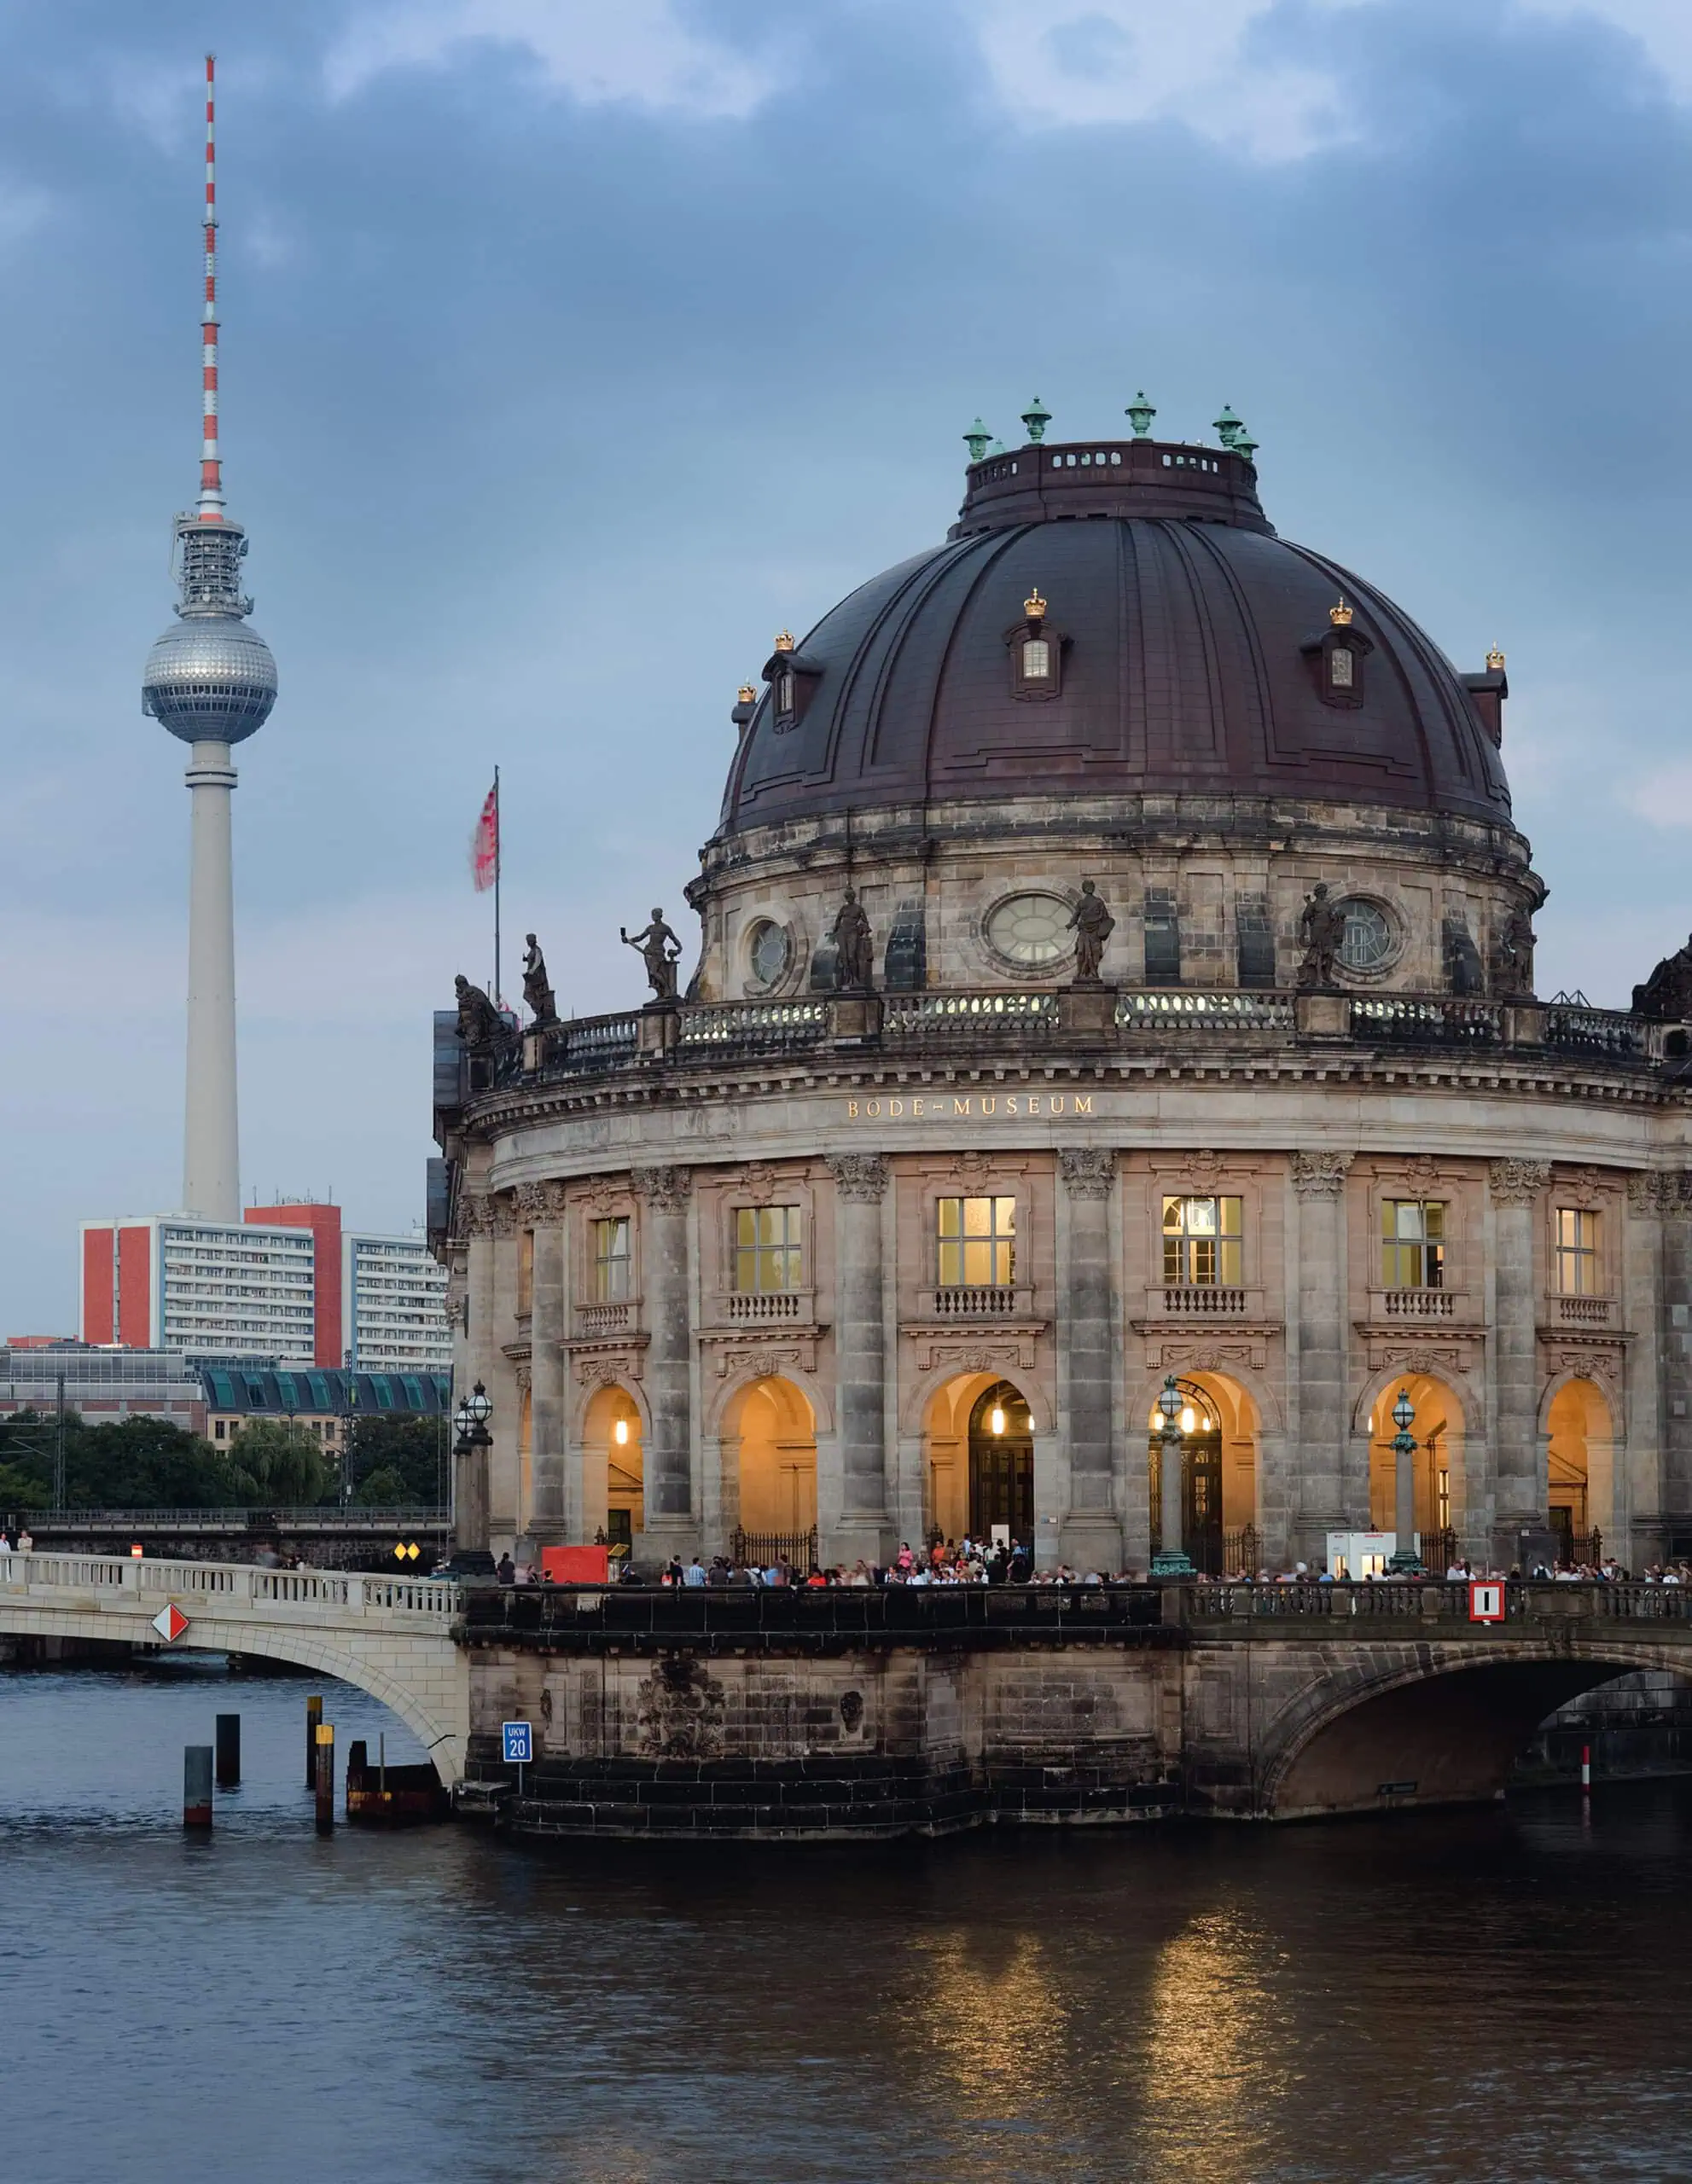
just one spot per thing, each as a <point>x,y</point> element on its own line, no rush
<point>484,845</point>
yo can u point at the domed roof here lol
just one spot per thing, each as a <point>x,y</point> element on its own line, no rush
<point>1191,661</point>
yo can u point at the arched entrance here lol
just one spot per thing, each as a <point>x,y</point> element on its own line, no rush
<point>1001,1464</point>
<point>978,1476</point>
<point>1437,1429</point>
<point>769,1444</point>
<point>1579,1470</point>
<point>1219,1531</point>
<point>613,1495</point>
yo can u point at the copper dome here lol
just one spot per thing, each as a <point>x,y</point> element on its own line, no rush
<point>1190,664</point>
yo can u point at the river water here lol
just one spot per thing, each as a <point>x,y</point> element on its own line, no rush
<point>1504,1995</point>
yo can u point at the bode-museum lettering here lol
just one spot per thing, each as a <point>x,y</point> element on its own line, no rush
<point>923,1106</point>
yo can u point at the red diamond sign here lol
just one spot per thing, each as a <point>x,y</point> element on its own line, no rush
<point>169,1623</point>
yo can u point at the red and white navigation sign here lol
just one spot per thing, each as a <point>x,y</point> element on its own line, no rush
<point>1486,1599</point>
<point>169,1623</point>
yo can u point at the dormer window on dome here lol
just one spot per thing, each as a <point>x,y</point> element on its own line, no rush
<point>1338,659</point>
<point>792,677</point>
<point>1036,652</point>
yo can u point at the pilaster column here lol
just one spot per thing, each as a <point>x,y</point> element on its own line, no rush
<point>478,1221</point>
<point>852,1502</point>
<point>1674,1511</point>
<point>1635,1537</point>
<point>672,1524</point>
<point>1093,1530</point>
<point>1328,1501</point>
<point>541,1206</point>
<point>1520,1491</point>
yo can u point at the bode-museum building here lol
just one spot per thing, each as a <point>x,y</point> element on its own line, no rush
<point>1115,963</point>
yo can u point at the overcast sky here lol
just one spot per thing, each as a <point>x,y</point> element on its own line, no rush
<point>570,349</point>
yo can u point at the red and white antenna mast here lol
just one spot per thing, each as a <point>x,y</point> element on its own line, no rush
<point>211,508</point>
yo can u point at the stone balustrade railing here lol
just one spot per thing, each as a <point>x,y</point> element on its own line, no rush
<point>682,1035</point>
<point>230,1588</point>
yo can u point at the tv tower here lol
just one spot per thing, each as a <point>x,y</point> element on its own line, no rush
<point>211,680</point>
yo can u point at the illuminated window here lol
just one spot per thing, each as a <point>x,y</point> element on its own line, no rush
<point>611,1260</point>
<point>1412,1243</point>
<point>766,1249</point>
<point>977,1242</point>
<point>1577,1251</point>
<point>1201,1241</point>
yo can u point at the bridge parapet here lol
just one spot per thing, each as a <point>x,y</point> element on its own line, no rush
<point>1296,1609</point>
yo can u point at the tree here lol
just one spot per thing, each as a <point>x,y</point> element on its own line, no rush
<point>416,1447</point>
<point>132,1463</point>
<point>385,1489</point>
<point>279,1465</point>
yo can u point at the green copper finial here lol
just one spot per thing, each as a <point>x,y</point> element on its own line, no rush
<point>975,439</point>
<point>1139,413</point>
<point>1244,444</point>
<point>1227,427</point>
<point>1037,417</point>
<point>998,447</point>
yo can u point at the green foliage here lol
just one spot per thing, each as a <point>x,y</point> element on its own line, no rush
<point>416,1447</point>
<point>132,1463</point>
<point>385,1489</point>
<point>279,1465</point>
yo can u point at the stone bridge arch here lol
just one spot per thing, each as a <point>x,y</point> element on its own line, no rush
<point>1419,1724</point>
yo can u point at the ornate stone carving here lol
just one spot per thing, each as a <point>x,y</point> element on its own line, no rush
<point>1322,928</point>
<point>1015,1350</point>
<point>757,1182</point>
<point>603,1198</point>
<point>854,947</point>
<point>606,1365</point>
<point>729,1352</point>
<point>480,1216</point>
<point>1248,1349</point>
<point>663,1190</point>
<point>481,1026</point>
<point>1088,1171</point>
<point>1666,995</point>
<point>1320,1175</point>
<point>536,988</point>
<point>1517,1182</point>
<point>1581,1187</point>
<point>1092,925</point>
<point>541,1201</point>
<point>660,950</point>
<point>1599,1362</point>
<point>1420,1176</point>
<point>679,1710</point>
<point>1202,1170</point>
<point>971,1171</point>
<point>1440,1360</point>
<point>861,1175</point>
<point>1660,1194</point>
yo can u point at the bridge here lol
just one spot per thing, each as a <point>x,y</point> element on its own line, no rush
<point>848,1711</point>
<point>391,1637</point>
<point>332,1532</point>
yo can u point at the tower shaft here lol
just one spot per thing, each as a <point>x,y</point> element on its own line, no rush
<point>210,1179</point>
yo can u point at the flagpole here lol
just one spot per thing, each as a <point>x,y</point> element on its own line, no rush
<point>498,859</point>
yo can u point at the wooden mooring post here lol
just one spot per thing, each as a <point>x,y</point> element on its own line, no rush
<point>324,1784</point>
<point>314,1715</point>
<point>229,1750</point>
<point>196,1785</point>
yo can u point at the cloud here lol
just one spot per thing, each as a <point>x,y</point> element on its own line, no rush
<point>638,53</point>
<point>1662,27</point>
<point>1202,63</point>
<point>1663,798</point>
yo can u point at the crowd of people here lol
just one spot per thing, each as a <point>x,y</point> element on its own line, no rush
<point>970,1561</point>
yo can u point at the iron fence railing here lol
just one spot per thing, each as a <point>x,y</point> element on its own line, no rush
<point>765,1550</point>
<point>325,1517</point>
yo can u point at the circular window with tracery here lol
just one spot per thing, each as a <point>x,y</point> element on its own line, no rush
<point>770,952</point>
<point>1367,942</point>
<point>1030,931</point>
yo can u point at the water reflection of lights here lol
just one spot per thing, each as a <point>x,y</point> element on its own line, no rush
<point>999,2030</point>
<point>1214,2053</point>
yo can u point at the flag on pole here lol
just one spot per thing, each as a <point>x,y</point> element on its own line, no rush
<point>485,844</point>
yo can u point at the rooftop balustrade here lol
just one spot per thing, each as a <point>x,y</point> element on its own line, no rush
<point>1098,1020</point>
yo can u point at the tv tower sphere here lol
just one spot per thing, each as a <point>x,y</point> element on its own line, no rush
<point>210,678</point>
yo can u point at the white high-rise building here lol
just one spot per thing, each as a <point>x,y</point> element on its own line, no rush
<point>393,1306</point>
<point>212,1288</point>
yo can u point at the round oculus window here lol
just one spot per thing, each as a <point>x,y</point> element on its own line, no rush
<point>1031,929</point>
<point>771,949</point>
<point>1368,939</point>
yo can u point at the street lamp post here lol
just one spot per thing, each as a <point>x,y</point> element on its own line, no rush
<point>1171,1560</point>
<point>469,1500</point>
<point>1406,1562</point>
